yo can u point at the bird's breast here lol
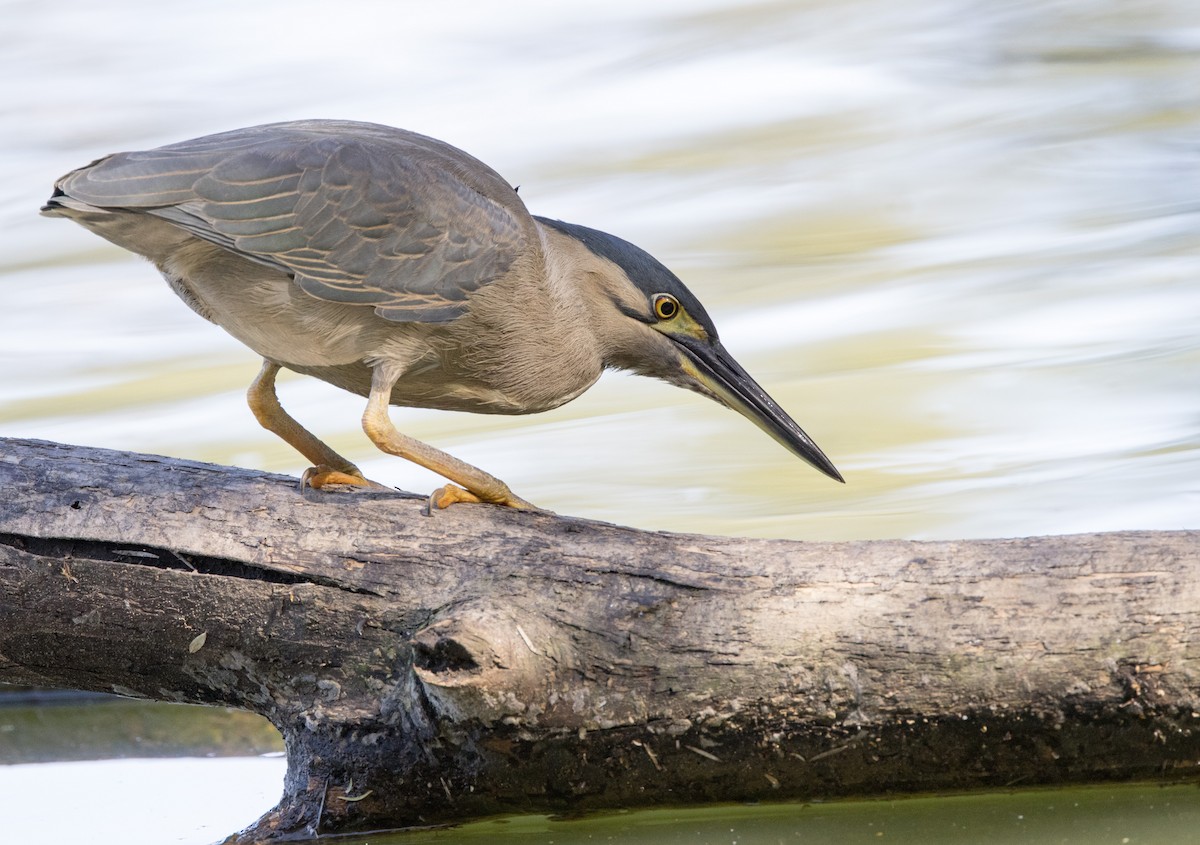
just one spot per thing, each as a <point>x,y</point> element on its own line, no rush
<point>506,393</point>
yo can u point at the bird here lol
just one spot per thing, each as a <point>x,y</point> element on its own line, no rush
<point>402,269</point>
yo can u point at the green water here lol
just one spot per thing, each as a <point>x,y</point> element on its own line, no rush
<point>1124,815</point>
<point>111,727</point>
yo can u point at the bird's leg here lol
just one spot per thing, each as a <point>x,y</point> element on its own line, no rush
<point>329,467</point>
<point>479,485</point>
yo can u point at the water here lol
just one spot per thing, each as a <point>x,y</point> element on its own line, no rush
<point>174,795</point>
<point>957,240</point>
<point>1117,815</point>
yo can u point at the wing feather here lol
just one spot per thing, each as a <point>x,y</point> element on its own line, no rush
<point>356,213</point>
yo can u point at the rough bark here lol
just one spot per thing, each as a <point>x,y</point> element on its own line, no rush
<point>429,669</point>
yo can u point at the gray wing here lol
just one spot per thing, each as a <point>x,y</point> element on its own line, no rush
<point>355,213</point>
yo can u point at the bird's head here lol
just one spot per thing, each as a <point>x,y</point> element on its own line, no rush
<point>653,325</point>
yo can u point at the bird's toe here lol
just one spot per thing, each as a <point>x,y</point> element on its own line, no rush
<point>319,477</point>
<point>452,494</point>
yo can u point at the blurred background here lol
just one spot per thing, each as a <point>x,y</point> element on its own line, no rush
<point>959,241</point>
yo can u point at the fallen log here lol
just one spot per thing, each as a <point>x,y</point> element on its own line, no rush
<point>432,669</point>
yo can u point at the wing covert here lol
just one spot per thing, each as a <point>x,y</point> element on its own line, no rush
<point>356,213</point>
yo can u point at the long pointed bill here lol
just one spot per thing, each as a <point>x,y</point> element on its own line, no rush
<point>714,368</point>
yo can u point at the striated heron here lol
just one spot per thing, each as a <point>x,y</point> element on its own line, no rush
<point>400,268</point>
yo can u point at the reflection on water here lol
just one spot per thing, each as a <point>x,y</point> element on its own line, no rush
<point>186,801</point>
<point>957,240</point>
<point>97,727</point>
<point>194,802</point>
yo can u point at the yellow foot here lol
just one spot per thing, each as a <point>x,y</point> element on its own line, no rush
<point>324,476</point>
<point>451,494</point>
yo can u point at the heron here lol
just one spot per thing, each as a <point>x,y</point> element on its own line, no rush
<point>400,268</point>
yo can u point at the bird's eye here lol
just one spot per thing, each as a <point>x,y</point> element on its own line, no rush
<point>665,306</point>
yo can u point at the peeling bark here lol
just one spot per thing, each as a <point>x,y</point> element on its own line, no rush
<point>431,669</point>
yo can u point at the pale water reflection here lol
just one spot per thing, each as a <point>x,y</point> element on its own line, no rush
<point>959,241</point>
<point>194,802</point>
<point>185,801</point>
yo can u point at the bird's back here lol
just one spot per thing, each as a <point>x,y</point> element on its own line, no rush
<point>330,246</point>
<point>355,213</point>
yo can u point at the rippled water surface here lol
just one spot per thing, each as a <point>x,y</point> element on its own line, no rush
<point>959,241</point>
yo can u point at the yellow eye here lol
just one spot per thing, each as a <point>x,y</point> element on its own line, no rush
<point>665,306</point>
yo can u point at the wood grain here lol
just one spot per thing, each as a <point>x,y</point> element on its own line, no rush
<point>430,669</point>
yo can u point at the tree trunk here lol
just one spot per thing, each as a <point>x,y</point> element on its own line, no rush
<point>428,669</point>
